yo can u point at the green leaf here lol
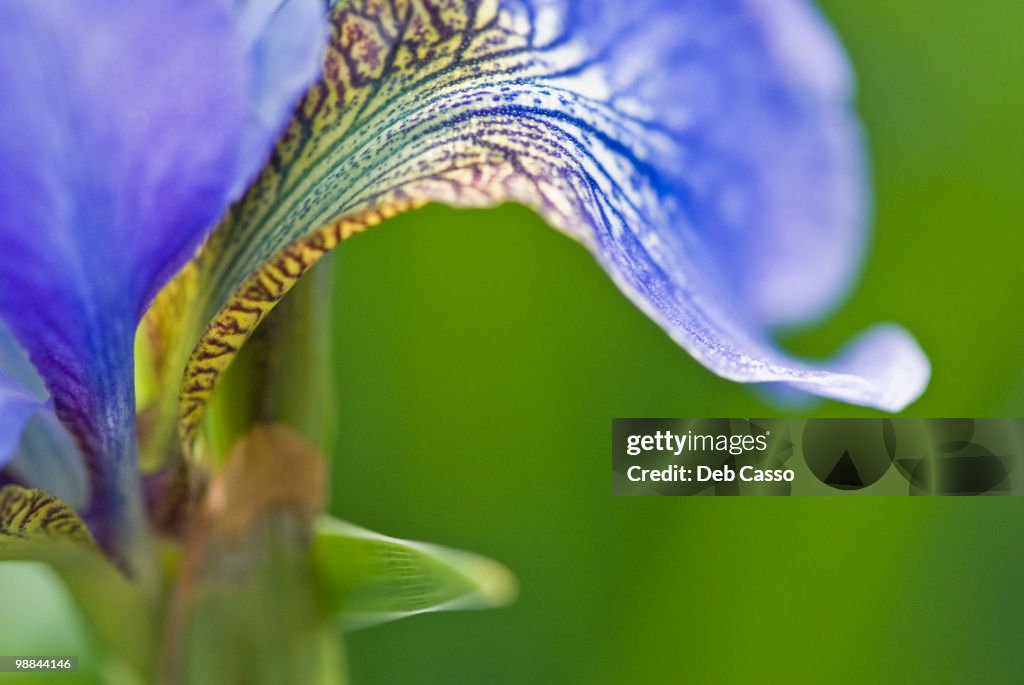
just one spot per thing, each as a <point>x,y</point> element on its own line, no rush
<point>38,526</point>
<point>369,578</point>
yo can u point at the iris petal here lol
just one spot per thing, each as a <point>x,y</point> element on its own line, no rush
<point>17,406</point>
<point>36,450</point>
<point>284,41</point>
<point>48,459</point>
<point>122,135</point>
<point>705,152</point>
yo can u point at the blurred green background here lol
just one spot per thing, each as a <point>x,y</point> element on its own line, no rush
<point>481,357</point>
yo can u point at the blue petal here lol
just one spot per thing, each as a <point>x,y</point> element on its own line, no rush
<point>48,458</point>
<point>17,405</point>
<point>44,455</point>
<point>762,201</point>
<point>16,364</point>
<point>726,191</point>
<point>705,151</point>
<point>761,147</point>
<point>125,128</point>
<point>284,41</point>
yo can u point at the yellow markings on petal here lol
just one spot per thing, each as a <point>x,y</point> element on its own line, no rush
<point>366,46</point>
<point>164,317</point>
<point>165,331</point>
<point>30,516</point>
<point>253,301</point>
<point>411,108</point>
<point>487,12</point>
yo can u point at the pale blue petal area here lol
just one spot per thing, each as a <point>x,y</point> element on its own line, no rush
<point>757,96</point>
<point>884,364</point>
<point>15,362</point>
<point>17,405</point>
<point>723,176</point>
<point>285,41</point>
<point>45,456</point>
<point>48,458</point>
<point>883,367</point>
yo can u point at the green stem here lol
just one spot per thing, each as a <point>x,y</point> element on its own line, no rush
<point>245,608</point>
<point>283,374</point>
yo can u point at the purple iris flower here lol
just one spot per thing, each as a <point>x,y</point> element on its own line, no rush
<point>704,150</point>
<point>126,129</point>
